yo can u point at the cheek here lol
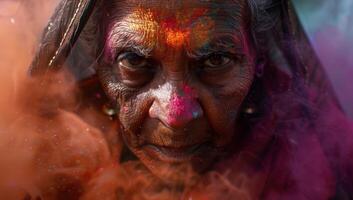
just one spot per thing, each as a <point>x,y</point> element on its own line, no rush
<point>234,91</point>
<point>133,111</point>
<point>130,120</point>
<point>237,82</point>
<point>222,105</point>
<point>223,119</point>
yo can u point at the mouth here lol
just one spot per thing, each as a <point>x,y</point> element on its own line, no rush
<point>176,154</point>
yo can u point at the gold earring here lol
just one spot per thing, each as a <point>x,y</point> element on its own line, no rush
<point>110,110</point>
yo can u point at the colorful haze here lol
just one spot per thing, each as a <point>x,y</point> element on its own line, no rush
<point>329,25</point>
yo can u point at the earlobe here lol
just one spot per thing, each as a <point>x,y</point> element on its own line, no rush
<point>254,105</point>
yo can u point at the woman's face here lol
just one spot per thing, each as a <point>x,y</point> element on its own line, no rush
<point>179,71</point>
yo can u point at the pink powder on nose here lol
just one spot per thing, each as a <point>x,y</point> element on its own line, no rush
<point>183,107</point>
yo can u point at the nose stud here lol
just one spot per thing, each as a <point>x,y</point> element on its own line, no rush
<point>196,114</point>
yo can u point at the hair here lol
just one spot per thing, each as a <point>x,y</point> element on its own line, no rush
<point>264,14</point>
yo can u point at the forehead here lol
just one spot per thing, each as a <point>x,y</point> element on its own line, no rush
<point>174,23</point>
<point>170,6</point>
<point>227,11</point>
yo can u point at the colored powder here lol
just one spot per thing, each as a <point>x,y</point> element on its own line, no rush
<point>183,107</point>
<point>176,38</point>
<point>175,30</point>
<point>147,25</point>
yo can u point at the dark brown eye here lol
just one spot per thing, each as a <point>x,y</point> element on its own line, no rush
<point>217,61</point>
<point>132,60</point>
<point>134,70</point>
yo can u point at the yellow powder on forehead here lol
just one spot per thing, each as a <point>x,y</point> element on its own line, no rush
<point>143,22</point>
<point>174,30</point>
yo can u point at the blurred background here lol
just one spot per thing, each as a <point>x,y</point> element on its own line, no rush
<point>328,23</point>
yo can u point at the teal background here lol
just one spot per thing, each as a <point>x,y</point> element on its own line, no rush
<point>329,25</point>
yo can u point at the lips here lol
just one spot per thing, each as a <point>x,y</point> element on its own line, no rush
<point>175,154</point>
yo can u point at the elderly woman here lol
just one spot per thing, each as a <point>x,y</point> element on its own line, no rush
<point>204,99</point>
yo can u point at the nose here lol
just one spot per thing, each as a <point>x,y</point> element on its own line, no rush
<point>177,107</point>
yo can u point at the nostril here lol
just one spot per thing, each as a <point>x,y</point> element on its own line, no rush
<point>176,107</point>
<point>155,111</point>
<point>176,113</point>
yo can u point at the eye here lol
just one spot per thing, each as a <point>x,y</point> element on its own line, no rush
<point>217,61</point>
<point>134,70</point>
<point>132,60</point>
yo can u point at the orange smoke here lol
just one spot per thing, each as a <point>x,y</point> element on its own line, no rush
<point>45,150</point>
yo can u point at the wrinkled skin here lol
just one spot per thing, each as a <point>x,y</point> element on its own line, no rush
<point>179,71</point>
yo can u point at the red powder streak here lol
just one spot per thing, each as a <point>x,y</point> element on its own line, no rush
<point>170,23</point>
<point>198,13</point>
<point>184,20</point>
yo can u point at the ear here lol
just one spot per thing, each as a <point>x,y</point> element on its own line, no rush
<point>61,34</point>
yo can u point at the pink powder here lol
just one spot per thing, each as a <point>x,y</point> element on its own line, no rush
<point>183,107</point>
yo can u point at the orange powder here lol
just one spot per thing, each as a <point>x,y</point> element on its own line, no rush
<point>174,31</point>
<point>176,38</point>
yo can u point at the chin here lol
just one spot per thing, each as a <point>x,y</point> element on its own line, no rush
<point>175,156</point>
<point>176,166</point>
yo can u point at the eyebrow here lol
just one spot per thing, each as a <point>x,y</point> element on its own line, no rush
<point>127,41</point>
<point>135,47</point>
<point>229,43</point>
